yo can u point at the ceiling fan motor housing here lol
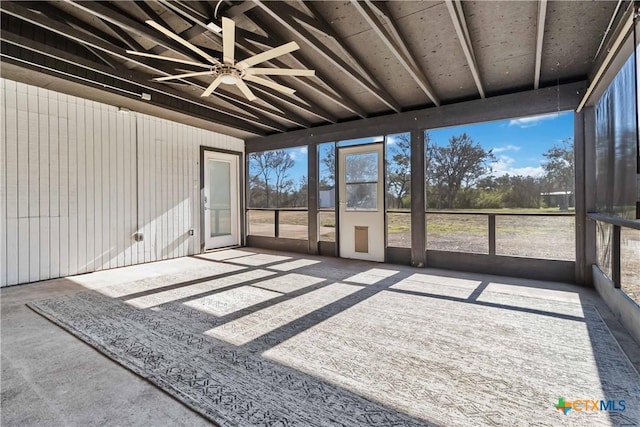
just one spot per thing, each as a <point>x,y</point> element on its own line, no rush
<point>230,74</point>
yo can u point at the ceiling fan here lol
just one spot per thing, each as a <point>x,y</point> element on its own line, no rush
<point>228,71</point>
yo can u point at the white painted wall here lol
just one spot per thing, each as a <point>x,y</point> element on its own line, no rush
<point>68,185</point>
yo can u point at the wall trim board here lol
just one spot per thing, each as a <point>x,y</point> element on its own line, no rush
<point>527,268</point>
<point>279,244</point>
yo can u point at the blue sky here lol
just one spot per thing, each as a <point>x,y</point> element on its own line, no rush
<point>518,144</point>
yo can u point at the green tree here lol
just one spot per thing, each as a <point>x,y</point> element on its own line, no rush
<point>459,164</point>
<point>399,169</point>
<point>522,192</point>
<point>330,163</point>
<point>559,170</point>
<point>269,172</point>
<point>281,161</point>
<point>259,177</point>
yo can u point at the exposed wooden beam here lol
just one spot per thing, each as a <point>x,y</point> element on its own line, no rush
<point>334,95</point>
<point>311,108</point>
<point>181,10</point>
<point>202,27</point>
<point>195,11</point>
<point>59,15</point>
<point>460,24</point>
<point>542,14</point>
<point>392,27</point>
<point>317,23</point>
<point>104,58</point>
<point>399,52</point>
<point>307,105</point>
<point>27,15</point>
<point>280,12</point>
<point>212,113</point>
<point>241,41</point>
<point>108,14</point>
<point>242,35</point>
<point>292,102</point>
<point>240,9</point>
<point>125,37</point>
<point>51,10</point>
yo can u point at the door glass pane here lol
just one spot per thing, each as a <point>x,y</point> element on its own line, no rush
<point>361,167</point>
<point>219,203</point>
<point>362,196</point>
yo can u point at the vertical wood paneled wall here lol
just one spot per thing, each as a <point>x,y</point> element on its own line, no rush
<point>79,178</point>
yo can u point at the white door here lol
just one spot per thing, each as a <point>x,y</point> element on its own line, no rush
<point>361,196</point>
<point>221,200</point>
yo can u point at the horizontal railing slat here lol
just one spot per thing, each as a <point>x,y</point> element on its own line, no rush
<point>621,222</point>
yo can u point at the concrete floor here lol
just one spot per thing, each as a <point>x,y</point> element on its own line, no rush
<point>51,378</point>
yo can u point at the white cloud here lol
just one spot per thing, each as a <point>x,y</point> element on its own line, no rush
<point>506,148</point>
<point>527,122</point>
<point>502,170</point>
<point>303,150</point>
<point>504,166</point>
<point>505,160</point>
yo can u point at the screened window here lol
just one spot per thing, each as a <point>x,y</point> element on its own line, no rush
<point>361,179</point>
<point>278,179</point>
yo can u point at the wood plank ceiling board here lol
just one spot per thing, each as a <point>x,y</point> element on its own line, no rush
<point>349,24</point>
<point>343,82</point>
<point>404,9</point>
<point>389,72</point>
<point>572,36</point>
<point>503,35</point>
<point>342,17</point>
<point>357,69</point>
<point>432,38</point>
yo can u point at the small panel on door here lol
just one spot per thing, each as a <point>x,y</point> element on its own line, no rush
<point>362,239</point>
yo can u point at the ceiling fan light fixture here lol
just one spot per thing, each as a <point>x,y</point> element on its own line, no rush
<point>229,79</point>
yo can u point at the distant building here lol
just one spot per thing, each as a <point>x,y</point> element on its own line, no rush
<point>327,198</point>
<point>559,199</point>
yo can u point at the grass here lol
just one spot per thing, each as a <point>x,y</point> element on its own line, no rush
<point>529,236</point>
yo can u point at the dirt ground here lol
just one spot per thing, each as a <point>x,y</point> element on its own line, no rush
<point>546,237</point>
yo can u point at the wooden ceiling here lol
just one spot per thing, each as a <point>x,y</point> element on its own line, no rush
<point>371,58</point>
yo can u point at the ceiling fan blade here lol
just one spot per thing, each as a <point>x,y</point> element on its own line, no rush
<point>270,54</point>
<point>245,90</point>
<point>269,83</point>
<point>183,42</point>
<point>166,58</point>
<point>280,72</point>
<point>182,76</point>
<point>228,41</point>
<point>212,86</point>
